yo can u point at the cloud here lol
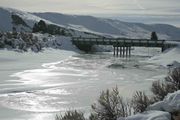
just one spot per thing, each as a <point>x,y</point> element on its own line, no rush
<point>139,5</point>
<point>95,6</point>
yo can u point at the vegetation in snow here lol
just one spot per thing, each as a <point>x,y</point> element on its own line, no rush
<point>160,106</point>
<point>42,27</point>
<point>71,115</point>
<point>21,41</point>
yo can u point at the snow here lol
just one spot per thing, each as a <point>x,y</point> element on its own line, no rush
<point>57,42</point>
<point>30,20</point>
<point>170,57</point>
<point>36,42</point>
<point>170,103</point>
<point>111,27</point>
<point>149,115</point>
<point>6,22</point>
<point>160,110</point>
<point>157,111</point>
<point>94,25</point>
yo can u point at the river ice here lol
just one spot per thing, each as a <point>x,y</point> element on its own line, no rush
<point>36,87</point>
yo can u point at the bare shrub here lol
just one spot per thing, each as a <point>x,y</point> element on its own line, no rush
<point>110,106</point>
<point>174,78</point>
<point>140,102</point>
<point>93,116</point>
<point>71,115</point>
<point>171,84</point>
<point>161,89</point>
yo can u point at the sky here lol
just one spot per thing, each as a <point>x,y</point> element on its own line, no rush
<point>90,7</point>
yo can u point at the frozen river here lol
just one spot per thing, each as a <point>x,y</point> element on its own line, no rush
<point>37,86</point>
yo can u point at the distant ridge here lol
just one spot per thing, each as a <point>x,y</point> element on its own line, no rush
<point>89,24</point>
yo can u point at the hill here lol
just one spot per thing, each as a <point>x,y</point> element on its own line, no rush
<point>112,27</point>
<point>84,25</point>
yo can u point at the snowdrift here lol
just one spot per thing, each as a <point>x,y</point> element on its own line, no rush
<point>160,110</point>
<point>170,103</point>
<point>170,58</point>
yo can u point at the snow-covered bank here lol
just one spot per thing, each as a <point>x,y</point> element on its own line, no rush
<point>170,103</point>
<point>170,58</point>
<point>149,115</point>
<point>20,41</point>
<point>57,42</point>
<point>160,110</point>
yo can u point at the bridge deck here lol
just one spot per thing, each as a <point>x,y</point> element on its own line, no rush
<point>119,42</point>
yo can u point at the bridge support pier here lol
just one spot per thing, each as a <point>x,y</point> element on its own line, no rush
<point>122,51</point>
<point>117,51</point>
<point>163,48</point>
<point>129,51</point>
<point>114,50</point>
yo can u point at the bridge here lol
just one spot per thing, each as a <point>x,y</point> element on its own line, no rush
<point>122,46</point>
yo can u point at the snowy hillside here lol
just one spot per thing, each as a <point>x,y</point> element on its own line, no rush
<point>112,27</point>
<point>83,25</point>
<point>6,23</point>
<point>24,21</point>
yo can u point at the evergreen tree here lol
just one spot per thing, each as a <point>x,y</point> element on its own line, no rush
<point>42,26</point>
<point>154,36</point>
<point>63,32</point>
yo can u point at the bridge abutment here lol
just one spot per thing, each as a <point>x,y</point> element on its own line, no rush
<point>84,47</point>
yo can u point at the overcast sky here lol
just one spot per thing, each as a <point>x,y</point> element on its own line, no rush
<point>96,6</point>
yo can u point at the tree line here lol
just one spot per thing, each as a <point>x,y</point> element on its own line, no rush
<point>42,27</point>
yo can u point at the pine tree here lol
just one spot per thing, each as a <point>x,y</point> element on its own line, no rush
<point>154,36</point>
<point>42,26</point>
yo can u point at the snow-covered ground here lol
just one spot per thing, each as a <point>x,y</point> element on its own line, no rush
<point>171,103</point>
<point>160,110</point>
<point>149,115</point>
<point>170,58</point>
<point>35,42</point>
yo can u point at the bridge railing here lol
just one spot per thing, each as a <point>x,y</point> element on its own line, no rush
<point>117,40</point>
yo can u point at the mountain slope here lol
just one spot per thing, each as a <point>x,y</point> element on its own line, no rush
<point>84,25</point>
<point>24,21</point>
<point>112,27</point>
<point>7,21</point>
